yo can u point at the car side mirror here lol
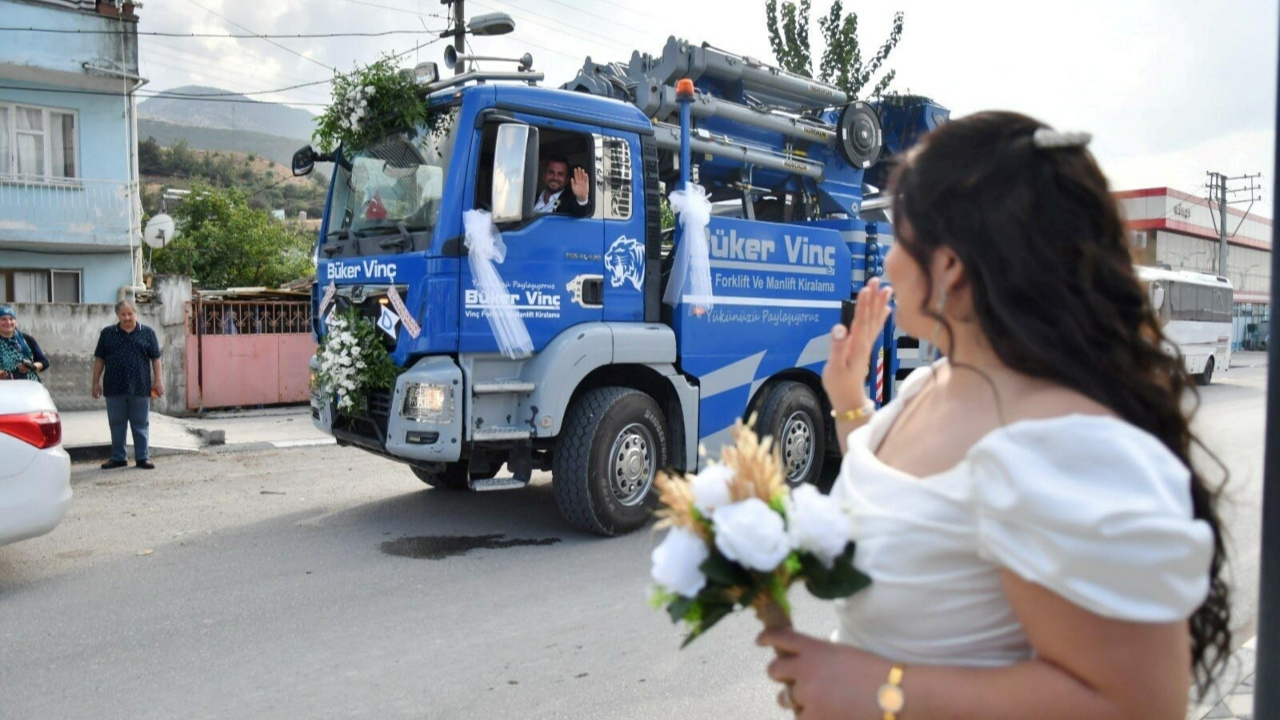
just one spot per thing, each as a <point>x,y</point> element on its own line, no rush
<point>515,169</point>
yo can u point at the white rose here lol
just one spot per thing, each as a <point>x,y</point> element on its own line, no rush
<point>818,524</point>
<point>750,533</point>
<point>711,488</point>
<point>368,89</point>
<point>677,562</point>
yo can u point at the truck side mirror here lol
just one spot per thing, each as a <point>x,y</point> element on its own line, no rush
<point>515,172</point>
<point>304,161</point>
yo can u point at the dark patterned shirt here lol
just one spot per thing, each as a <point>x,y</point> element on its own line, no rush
<point>127,359</point>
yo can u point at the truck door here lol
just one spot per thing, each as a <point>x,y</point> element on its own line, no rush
<point>554,258</point>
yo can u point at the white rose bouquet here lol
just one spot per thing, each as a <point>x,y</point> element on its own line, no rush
<point>739,537</point>
<point>368,103</point>
<point>353,361</point>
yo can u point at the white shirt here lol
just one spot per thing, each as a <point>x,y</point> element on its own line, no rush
<point>549,205</point>
<point>1090,507</point>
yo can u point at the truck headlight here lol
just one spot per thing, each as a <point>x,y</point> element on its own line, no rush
<point>314,383</point>
<point>428,403</point>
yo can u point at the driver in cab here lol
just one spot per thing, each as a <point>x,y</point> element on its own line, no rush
<point>554,199</point>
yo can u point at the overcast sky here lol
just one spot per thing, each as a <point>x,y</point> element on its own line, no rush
<point>1169,88</point>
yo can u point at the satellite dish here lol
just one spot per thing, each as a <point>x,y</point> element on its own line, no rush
<point>159,231</point>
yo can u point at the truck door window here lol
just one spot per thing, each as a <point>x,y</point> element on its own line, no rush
<point>560,153</point>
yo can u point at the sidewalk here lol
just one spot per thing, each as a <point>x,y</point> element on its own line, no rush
<point>87,437</point>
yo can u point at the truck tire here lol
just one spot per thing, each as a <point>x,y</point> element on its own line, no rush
<point>1206,377</point>
<point>612,445</point>
<point>792,415</point>
<point>454,477</point>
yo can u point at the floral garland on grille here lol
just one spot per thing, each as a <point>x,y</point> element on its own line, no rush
<point>353,362</point>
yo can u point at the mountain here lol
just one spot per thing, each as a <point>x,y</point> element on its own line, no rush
<point>217,113</point>
<point>272,147</point>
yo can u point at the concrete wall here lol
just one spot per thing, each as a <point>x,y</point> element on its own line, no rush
<point>69,334</point>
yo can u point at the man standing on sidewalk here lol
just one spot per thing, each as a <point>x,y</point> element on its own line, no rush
<point>129,353</point>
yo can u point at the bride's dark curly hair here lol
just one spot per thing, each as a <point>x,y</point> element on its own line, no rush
<point>1054,289</point>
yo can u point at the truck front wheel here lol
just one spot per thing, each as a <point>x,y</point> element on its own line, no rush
<point>612,445</point>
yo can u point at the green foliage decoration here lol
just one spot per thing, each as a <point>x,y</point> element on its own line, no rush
<point>369,103</point>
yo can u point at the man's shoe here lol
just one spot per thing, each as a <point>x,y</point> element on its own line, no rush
<point>145,465</point>
<point>113,464</point>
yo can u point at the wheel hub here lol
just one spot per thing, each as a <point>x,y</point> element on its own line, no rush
<point>797,446</point>
<point>631,466</point>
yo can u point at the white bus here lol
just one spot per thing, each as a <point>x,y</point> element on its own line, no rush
<point>1195,310</point>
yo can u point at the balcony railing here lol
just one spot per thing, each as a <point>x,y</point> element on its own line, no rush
<point>69,212</point>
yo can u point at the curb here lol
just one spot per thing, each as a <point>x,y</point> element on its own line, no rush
<point>102,451</point>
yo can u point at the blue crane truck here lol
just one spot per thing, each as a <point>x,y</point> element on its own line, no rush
<point>624,378</point>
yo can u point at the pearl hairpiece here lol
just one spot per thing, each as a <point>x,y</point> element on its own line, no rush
<point>1050,139</point>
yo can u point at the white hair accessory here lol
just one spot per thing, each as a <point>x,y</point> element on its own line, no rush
<point>1050,139</point>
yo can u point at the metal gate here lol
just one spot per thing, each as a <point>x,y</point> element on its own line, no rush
<point>248,352</point>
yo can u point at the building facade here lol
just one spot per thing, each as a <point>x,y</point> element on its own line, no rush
<point>1180,231</point>
<point>69,203</point>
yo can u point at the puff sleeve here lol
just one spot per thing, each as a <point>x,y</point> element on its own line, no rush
<point>1095,510</point>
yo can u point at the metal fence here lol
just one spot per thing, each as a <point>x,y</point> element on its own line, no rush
<point>250,317</point>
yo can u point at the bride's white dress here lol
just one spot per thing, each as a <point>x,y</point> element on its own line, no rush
<point>1090,507</point>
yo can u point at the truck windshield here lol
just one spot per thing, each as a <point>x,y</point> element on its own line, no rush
<point>392,187</point>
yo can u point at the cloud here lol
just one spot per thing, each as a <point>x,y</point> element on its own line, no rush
<point>1168,87</point>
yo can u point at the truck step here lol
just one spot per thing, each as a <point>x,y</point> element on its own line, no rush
<point>498,483</point>
<point>505,386</point>
<point>493,434</point>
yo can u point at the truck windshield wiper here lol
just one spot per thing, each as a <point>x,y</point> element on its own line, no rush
<point>342,234</point>
<point>402,243</point>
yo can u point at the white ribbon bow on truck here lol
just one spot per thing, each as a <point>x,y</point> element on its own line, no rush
<point>693,254</point>
<point>484,248</point>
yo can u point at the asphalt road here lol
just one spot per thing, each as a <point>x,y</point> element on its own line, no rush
<point>326,583</point>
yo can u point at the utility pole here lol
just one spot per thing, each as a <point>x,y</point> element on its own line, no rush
<point>1221,194</point>
<point>459,34</point>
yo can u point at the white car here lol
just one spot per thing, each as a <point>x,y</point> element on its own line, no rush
<point>35,473</point>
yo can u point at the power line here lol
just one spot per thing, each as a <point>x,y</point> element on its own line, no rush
<point>166,93</point>
<point>215,35</point>
<point>273,42</point>
<point>158,95</point>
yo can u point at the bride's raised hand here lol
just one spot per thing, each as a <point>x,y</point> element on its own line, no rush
<point>845,376</point>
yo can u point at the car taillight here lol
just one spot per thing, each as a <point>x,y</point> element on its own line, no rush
<point>42,429</point>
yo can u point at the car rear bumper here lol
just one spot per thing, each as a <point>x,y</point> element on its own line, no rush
<point>33,502</point>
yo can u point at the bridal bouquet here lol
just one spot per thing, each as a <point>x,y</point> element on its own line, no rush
<point>739,537</point>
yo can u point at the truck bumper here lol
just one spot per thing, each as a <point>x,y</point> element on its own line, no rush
<point>399,424</point>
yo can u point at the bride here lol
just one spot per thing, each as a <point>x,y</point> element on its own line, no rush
<point>1038,543</point>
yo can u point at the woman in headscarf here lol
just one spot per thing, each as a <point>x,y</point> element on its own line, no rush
<point>20,355</point>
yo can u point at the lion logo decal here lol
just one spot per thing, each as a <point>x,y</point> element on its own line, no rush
<point>625,262</point>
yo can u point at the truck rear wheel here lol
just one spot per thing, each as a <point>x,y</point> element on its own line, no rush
<point>612,445</point>
<point>791,414</point>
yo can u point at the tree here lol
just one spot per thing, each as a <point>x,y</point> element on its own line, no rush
<point>842,63</point>
<point>223,242</point>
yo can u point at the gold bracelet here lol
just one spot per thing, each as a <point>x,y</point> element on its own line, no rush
<point>890,696</point>
<point>855,414</point>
